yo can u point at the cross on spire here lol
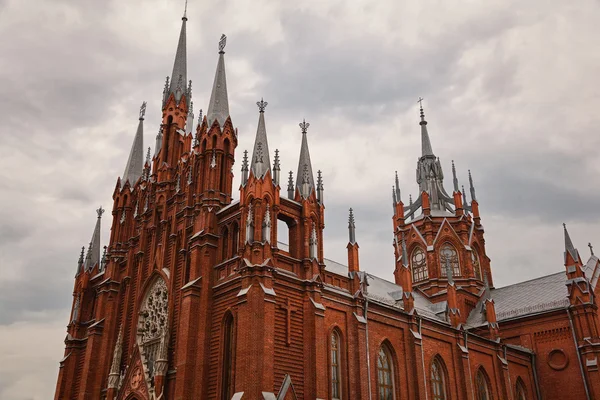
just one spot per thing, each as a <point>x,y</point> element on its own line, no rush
<point>261,105</point>
<point>143,110</point>
<point>304,125</point>
<point>591,248</point>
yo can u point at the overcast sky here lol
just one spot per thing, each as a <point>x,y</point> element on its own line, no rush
<point>511,92</point>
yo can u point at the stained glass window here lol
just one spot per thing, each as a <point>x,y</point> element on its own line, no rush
<point>438,382</point>
<point>418,263</point>
<point>449,253</point>
<point>385,381</point>
<point>483,391</point>
<point>335,366</point>
<point>521,390</point>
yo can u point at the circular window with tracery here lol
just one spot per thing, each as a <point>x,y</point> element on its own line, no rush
<point>558,359</point>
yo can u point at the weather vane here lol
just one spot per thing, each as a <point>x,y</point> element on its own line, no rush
<point>143,110</point>
<point>261,105</point>
<point>304,126</point>
<point>222,43</point>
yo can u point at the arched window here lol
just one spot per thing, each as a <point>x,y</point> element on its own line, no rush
<point>418,264</point>
<point>476,265</point>
<point>521,393</point>
<point>336,364</point>
<point>438,380</point>
<point>225,244</point>
<point>481,383</point>
<point>385,378</point>
<point>449,253</point>
<point>228,347</point>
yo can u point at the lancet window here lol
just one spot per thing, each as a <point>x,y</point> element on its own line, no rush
<point>438,380</point>
<point>481,382</point>
<point>385,379</point>
<point>336,392</point>
<point>476,264</point>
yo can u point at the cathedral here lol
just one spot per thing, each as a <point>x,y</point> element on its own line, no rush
<point>200,296</point>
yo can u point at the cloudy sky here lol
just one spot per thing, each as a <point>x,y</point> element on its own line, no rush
<point>510,87</point>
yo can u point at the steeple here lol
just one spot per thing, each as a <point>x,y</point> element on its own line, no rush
<point>472,187</point>
<point>135,163</point>
<point>397,196</point>
<point>218,107</point>
<point>429,171</point>
<point>261,163</point>
<point>569,248</point>
<point>304,179</point>
<point>454,178</point>
<point>426,149</point>
<point>93,256</point>
<point>80,261</point>
<point>178,80</point>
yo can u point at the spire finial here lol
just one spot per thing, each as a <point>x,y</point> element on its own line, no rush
<point>142,111</point>
<point>304,126</point>
<point>148,156</point>
<point>422,114</point>
<point>222,43</point>
<point>276,162</point>
<point>261,105</point>
<point>100,211</point>
<point>454,178</point>
<point>185,11</point>
<point>200,117</point>
<point>591,248</point>
<point>464,194</point>
<point>472,188</point>
<point>394,199</point>
<point>351,227</point>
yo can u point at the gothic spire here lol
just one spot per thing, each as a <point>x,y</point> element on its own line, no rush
<point>454,178</point>
<point>158,145</point>
<point>189,125</point>
<point>320,186</point>
<point>261,163</point>
<point>80,261</point>
<point>218,107</point>
<point>135,163</point>
<point>245,168</point>
<point>276,168</point>
<point>472,187</point>
<point>304,179</point>
<point>426,149</point>
<point>179,76</point>
<point>398,194</point>
<point>569,248</point>
<point>290,187</point>
<point>93,256</point>
<point>351,228</point>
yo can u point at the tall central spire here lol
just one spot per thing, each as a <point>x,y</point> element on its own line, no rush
<point>179,76</point>
<point>426,149</point>
<point>218,107</point>
<point>305,182</point>
<point>260,155</point>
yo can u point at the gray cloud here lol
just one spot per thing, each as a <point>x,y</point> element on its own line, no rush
<point>499,100</point>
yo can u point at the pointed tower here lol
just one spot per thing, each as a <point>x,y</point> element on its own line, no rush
<point>440,232</point>
<point>261,163</point>
<point>217,139</point>
<point>93,256</point>
<point>176,106</point>
<point>353,260</point>
<point>135,162</point>
<point>218,107</point>
<point>305,183</point>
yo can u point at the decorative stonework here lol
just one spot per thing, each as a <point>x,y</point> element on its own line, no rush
<point>152,333</point>
<point>558,359</point>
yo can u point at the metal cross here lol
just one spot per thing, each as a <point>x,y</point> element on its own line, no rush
<point>420,101</point>
<point>591,248</point>
<point>304,126</point>
<point>143,110</point>
<point>261,105</point>
<point>289,311</point>
<point>222,43</point>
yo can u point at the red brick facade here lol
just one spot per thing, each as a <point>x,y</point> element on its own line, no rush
<point>197,298</point>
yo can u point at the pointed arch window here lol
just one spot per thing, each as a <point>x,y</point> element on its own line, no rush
<point>418,264</point>
<point>336,382</point>
<point>228,348</point>
<point>481,383</point>
<point>476,264</point>
<point>438,380</point>
<point>385,379</point>
<point>449,253</point>
<point>521,393</point>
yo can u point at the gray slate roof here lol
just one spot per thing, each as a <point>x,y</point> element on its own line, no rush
<point>261,162</point>
<point>179,76</point>
<point>305,173</point>
<point>135,162</point>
